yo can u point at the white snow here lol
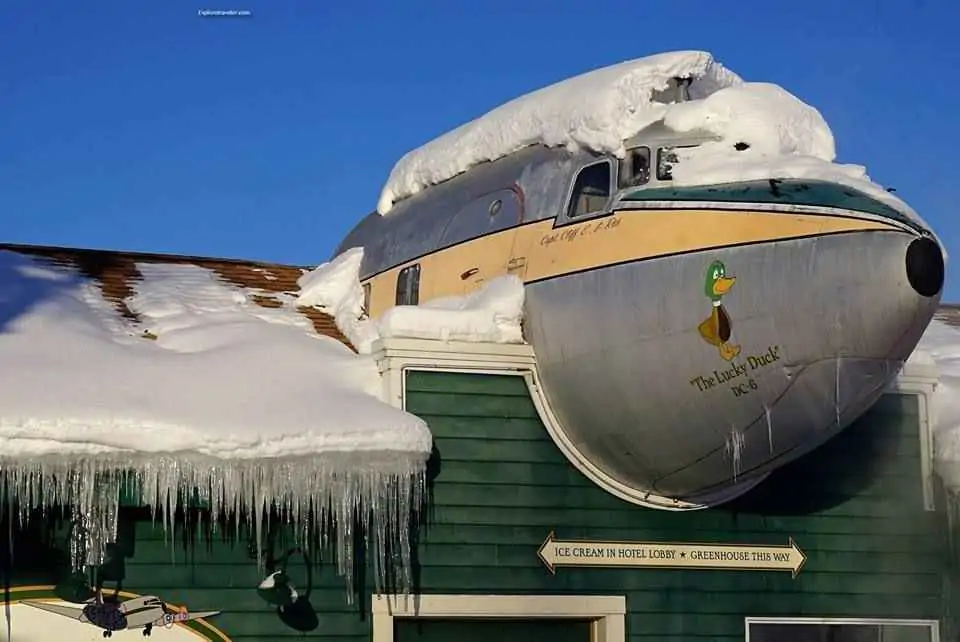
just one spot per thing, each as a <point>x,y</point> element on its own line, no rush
<point>269,386</point>
<point>335,287</point>
<point>207,391</point>
<point>941,345</point>
<point>491,314</point>
<point>787,139</point>
<point>601,109</point>
<point>597,110</point>
<point>244,402</point>
<point>768,117</point>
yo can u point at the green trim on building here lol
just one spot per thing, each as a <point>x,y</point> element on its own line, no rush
<point>784,191</point>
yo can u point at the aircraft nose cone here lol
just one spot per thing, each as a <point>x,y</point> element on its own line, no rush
<point>818,328</point>
<point>925,269</point>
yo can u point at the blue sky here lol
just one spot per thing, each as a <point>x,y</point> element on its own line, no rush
<point>143,126</point>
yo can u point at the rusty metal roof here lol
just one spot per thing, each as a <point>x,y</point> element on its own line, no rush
<point>115,272</point>
<point>949,313</point>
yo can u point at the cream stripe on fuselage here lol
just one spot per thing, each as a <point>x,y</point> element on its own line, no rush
<point>538,251</point>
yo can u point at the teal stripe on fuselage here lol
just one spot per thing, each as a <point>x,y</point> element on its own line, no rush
<point>787,191</point>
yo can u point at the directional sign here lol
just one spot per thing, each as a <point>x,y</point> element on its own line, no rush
<point>721,557</point>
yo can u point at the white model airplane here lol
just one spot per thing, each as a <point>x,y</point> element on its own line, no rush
<point>143,612</point>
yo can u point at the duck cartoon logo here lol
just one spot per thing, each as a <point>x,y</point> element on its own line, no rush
<point>716,329</point>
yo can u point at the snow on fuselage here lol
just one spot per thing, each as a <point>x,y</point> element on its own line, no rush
<point>690,340</point>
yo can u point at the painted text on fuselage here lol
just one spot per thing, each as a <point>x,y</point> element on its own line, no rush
<point>736,377</point>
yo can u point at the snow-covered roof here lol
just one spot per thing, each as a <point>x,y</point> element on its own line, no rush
<point>191,373</point>
<point>492,314</point>
<point>601,109</point>
<point>136,337</point>
<point>597,110</point>
<point>230,377</point>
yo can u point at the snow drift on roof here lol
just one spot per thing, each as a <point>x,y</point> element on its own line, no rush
<point>768,117</point>
<point>785,137</point>
<point>271,387</point>
<point>941,345</point>
<point>335,288</point>
<point>597,110</point>
<point>601,109</point>
<point>205,389</point>
<point>491,314</point>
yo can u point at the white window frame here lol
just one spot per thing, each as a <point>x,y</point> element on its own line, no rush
<point>607,612</point>
<point>612,182</point>
<point>933,625</point>
<point>921,380</point>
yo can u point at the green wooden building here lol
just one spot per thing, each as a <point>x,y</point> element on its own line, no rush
<point>520,539</point>
<point>518,543</point>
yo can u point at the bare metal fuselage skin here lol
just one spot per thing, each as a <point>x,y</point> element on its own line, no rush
<point>684,386</point>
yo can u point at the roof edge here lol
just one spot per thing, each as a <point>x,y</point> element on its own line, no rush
<point>149,256</point>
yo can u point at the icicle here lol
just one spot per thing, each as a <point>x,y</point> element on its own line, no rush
<point>766,413</point>
<point>735,443</point>
<point>951,521</point>
<point>836,340</point>
<point>376,492</point>
<point>8,497</point>
<point>836,392</point>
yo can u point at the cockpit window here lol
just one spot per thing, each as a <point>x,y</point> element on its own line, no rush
<point>635,168</point>
<point>591,192</point>
<point>667,157</point>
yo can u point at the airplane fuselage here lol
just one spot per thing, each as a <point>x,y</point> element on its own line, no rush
<point>667,392</point>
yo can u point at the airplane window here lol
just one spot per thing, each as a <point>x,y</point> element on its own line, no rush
<point>635,168</point>
<point>591,191</point>
<point>667,157</point>
<point>366,299</point>
<point>408,285</point>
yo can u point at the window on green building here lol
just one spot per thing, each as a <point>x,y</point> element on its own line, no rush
<point>840,630</point>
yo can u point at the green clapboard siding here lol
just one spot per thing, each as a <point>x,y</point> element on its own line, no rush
<point>854,507</point>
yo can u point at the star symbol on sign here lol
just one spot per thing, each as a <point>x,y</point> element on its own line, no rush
<point>683,554</point>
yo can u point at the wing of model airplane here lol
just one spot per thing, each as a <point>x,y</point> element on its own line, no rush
<point>183,616</point>
<point>57,609</point>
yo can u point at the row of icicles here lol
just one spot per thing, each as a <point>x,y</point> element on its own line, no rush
<point>376,508</point>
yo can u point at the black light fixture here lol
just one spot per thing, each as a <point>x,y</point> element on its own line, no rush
<point>277,590</point>
<point>75,589</point>
<point>293,606</point>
